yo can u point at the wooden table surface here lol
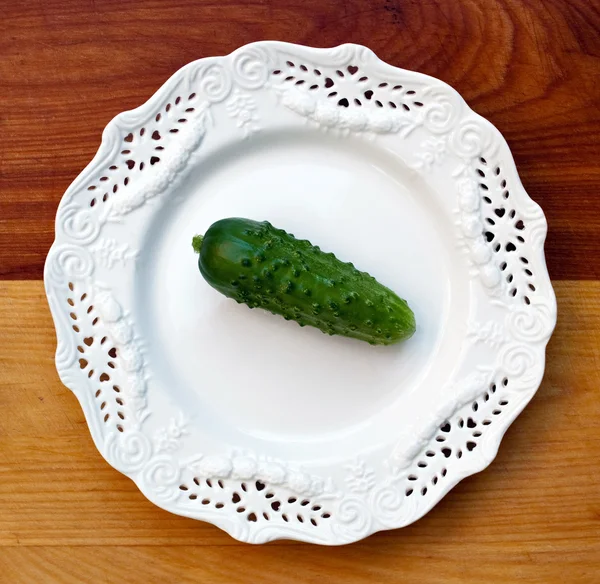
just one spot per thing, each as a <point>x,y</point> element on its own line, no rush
<point>532,67</point>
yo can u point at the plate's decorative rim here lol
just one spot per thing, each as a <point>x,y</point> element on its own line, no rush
<point>520,340</point>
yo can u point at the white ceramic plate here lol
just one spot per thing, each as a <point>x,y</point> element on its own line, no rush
<point>238,417</point>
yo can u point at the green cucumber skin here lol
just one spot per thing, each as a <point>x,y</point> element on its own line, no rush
<point>262,266</point>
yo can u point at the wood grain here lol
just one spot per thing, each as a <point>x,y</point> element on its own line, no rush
<point>67,67</point>
<point>531,67</point>
<point>533,516</point>
<point>366,563</point>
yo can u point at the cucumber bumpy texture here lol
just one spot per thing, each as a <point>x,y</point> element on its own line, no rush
<point>265,267</point>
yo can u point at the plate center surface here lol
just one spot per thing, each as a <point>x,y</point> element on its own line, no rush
<point>248,375</point>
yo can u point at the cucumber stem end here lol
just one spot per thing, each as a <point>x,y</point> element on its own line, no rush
<point>197,243</point>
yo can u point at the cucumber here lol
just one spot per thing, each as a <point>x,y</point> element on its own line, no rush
<point>265,267</point>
